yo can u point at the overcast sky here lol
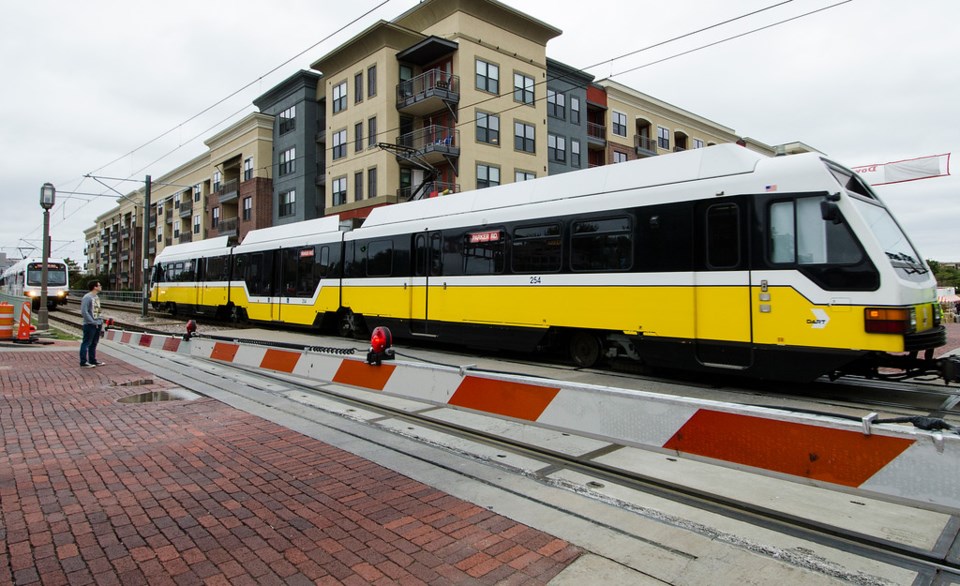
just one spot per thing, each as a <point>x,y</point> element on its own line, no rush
<point>86,83</point>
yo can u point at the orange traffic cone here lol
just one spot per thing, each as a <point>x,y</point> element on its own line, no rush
<point>23,332</point>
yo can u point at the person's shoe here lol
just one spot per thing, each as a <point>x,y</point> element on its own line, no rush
<point>98,363</point>
<point>85,365</point>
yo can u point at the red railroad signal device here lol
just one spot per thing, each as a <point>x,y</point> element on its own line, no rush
<point>381,346</point>
<point>191,329</point>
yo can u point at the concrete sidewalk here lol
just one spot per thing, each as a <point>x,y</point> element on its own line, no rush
<point>93,491</point>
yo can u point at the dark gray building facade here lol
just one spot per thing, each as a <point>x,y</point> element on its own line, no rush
<point>566,117</point>
<point>297,166</point>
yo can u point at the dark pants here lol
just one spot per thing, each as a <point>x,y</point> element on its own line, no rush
<point>88,347</point>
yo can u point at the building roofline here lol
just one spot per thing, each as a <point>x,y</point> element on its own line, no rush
<point>608,83</point>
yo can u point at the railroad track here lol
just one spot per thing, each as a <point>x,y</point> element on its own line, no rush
<point>937,562</point>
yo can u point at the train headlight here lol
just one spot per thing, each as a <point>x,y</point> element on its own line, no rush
<point>31,294</point>
<point>885,320</point>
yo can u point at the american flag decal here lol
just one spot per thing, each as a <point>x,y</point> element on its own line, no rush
<point>770,187</point>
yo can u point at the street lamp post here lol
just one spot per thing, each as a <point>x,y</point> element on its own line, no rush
<point>48,194</point>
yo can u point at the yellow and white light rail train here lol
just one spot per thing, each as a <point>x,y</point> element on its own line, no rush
<point>714,259</point>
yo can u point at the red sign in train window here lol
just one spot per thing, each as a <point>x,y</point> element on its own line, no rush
<point>477,237</point>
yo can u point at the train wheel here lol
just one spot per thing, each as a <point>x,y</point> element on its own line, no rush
<point>585,349</point>
<point>347,324</point>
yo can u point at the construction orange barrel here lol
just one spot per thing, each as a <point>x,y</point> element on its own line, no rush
<point>6,321</point>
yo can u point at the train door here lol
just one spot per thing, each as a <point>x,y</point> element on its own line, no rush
<point>722,312</point>
<point>259,276</point>
<point>427,266</point>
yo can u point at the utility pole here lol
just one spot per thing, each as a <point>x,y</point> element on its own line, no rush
<point>146,243</point>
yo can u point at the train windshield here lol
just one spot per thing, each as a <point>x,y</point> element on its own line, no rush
<point>899,250</point>
<point>56,275</point>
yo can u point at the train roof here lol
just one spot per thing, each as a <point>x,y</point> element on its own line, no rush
<point>696,164</point>
<point>18,266</point>
<point>189,250</point>
<point>289,234</point>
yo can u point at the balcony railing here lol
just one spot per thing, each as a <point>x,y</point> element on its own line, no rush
<point>431,189</point>
<point>227,226</point>
<point>597,131</point>
<point>433,142</point>
<point>645,145</point>
<point>186,209</point>
<point>186,237</point>
<point>427,92</point>
<point>229,191</point>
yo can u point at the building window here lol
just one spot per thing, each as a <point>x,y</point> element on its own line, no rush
<point>574,110</point>
<point>215,221</point>
<point>619,123</point>
<point>288,119</point>
<point>372,182</point>
<point>196,192</point>
<point>358,186</point>
<point>574,153</point>
<point>176,232</point>
<point>697,143</point>
<point>556,148</point>
<point>524,137</point>
<point>358,137</point>
<point>340,97</point>
<point>339,144</point>
<point>619,157</point>
<point>488,128</point>
<point>247,208</point>
<point>288,161</point>
<point>524,176</point>
<point>196,224</point>
<point>522,88</point>
<point>339,188</point>
<point>556,104</point>
<point>372,132</point>
<point>488,77</point>
<point>288,203</point>
<point>663,138</point>
<point>247,169</point>
<point>371,81</point>
<point>358,88</point>
<point>487,176</point>
<point>217,179</point>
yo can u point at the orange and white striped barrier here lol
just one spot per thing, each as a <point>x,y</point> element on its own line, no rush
<point>893,461</point>
<point>25,327</point>
<point>6,321</point>
<point>170,343</point>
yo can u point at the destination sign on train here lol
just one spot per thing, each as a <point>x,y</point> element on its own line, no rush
<point>476,237</point>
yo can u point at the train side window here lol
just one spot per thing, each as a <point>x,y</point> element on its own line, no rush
<point>321,267</point>
<point>536,249</point>
<point>799,234</point>
<point>782,233</point>
<point>601,245</point>
<point>379,259</point>
<point>483,252</point>
<point>306,280</point>
<point>723,236</point>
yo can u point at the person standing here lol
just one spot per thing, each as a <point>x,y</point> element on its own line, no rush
<point>92,322</point>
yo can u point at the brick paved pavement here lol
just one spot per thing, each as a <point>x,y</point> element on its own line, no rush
<point>188,492</point>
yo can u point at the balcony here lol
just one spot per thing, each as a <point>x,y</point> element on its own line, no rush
<point>596,134</point>
<point>228,226</point>
<point>230,191</point>
<point>646,146</point>
<point>168,216</point>
<point>186,209</point>
<point>432,143</point>
<point>185,237</point>
<point>428,92</point>
<point>431,189</point>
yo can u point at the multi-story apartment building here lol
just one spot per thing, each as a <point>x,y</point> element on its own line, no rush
<point>221,192</point>
<point>454,87</point>
<point>298,164</point>
<point>114,245</point>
